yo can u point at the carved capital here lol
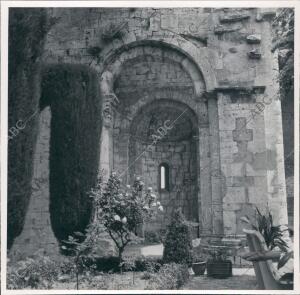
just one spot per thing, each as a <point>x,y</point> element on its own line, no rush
<point>109,101</point>
<point>208,95</point>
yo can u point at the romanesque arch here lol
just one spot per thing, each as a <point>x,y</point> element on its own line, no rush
<point>129,88</point>
<point>165,133</point>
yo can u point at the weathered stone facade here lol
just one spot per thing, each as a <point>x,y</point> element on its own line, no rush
<point>208,71</point>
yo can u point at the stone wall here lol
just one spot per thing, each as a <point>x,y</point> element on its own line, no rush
<point>244,160</point>
<point>139,147</point>
<point>216,63</point>
<point>182,192</point>
<point>230,48</point>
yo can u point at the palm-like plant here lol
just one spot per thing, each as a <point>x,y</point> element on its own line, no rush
<point>273,234</point>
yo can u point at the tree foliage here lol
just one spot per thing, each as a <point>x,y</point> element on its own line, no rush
<point>72,93</point>
<point>283,41</point>
<point>28,28</point>
<point>123,210</point>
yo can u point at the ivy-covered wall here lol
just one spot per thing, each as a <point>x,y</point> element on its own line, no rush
<point>27,31</point>
<point>73,95</point>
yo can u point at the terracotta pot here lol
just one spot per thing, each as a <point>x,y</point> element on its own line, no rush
<point>199,267</point>
<point>219,269</point>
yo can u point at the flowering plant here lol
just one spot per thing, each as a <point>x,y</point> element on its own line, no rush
<point>122,210</point>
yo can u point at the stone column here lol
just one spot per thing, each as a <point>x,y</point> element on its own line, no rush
<point>204,194</point>
<point>106,135</point>
<point>109,99</point>
<point>37,234</point>
<point>104,151</point>
<point>276,187</point>
<point>217,175</point>
<point>275,173</point>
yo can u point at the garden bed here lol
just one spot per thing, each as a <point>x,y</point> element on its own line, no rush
<point>140,273</point>
<point>114,281</point>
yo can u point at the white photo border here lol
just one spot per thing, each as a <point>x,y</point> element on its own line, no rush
<point>5,5</point>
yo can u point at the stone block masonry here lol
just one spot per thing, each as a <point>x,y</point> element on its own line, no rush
<point>201,71</point>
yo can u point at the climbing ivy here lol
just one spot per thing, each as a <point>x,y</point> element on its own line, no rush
<point>283,29</point>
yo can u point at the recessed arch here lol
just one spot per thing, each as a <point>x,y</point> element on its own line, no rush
<point>183,113</point>
<point>196,66</point>
<point>163,151</point>
<point>128,143</point>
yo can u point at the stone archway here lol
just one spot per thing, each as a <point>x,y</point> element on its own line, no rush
<point>135,52</point>
<point>172,76</point>
<point>165,133</point>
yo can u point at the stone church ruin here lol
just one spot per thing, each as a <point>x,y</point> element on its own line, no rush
<point>186,98</point>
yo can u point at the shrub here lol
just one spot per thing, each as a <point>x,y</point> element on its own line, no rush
<point>148,264</point>
<point>67,267</point>
<point>80,253</point>
<point>162,235</point>
<point>95,283</point>
<point>111,264</point>
<point>178,244</point>
<point>73,95</point>
<point>36,273</point>
<point>107,264</point>
<point>122,210</point>
<point>151,267</point>
<point>155,237</point>
<point>170,276</point>
<point>28,29</point>
<point>152,237</point>
<point>146,275</point>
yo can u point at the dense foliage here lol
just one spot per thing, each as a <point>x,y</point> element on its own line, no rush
<point>39,272</point>
<point>72,93</point>
<point>80,252</point>
<point>178,244</point>
<point>283,26</point>
<point>169,277</point>
<point>27,31</point>
<point>122,211</point>
<point>155,237</point>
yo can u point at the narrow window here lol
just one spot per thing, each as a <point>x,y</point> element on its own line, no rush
<point>163,177</point>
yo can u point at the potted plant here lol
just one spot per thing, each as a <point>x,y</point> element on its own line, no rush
<point>199,264</point>
<point>218,264</point>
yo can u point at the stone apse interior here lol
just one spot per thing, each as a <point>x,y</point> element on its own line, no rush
<point>202,79</point>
